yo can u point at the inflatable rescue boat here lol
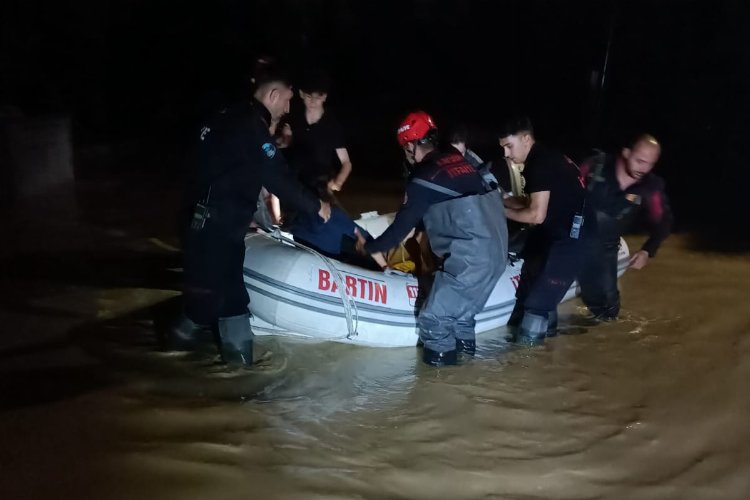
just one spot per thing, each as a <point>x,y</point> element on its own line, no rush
<point>295,291</point>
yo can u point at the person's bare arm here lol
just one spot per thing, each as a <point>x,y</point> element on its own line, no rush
<point>274,207</point>
<point>639,259</point>
<point>284,139</point>
<point>534,213</point>
<point>516,202</point>
<point>346,168</point>
<point>380,259</point>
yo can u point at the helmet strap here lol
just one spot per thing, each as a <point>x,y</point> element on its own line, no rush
<point>413,152</point>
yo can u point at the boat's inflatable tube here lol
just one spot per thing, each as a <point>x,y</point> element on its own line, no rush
<point>295,291</point>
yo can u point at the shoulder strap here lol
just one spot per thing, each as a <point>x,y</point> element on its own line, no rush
<point>435,187</point>
<point>595,168</point>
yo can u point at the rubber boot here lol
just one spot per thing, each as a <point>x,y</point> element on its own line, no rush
<point>516,315</point>
<point>533,329</point>
<point>467,346</point>
<point>236,340</point>
<point>435,358</point>
<point>552,323</point>
<point>182,334</point>
<point>605,313</point>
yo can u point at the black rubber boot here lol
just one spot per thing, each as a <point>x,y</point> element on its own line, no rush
<point>467,346</point>
<point>236,340</point>
<point>605,314</point>
<point>435,358</point>
<point>533,329</point>
<point>182,334</point>
<point>605,317</point>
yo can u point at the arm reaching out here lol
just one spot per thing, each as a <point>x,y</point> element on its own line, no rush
<point>376,256</point>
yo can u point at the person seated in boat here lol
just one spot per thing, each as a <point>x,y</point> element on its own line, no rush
<point>338,237</point>
<point>466,226</point>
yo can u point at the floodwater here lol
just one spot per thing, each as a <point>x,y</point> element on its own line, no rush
<point>655,406</point>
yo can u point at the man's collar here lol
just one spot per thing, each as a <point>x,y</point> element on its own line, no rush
<point>429,155</point>
<point>532,151</point>
<point>265,115</point>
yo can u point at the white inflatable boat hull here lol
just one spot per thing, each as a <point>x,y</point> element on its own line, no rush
<point>294,292</point>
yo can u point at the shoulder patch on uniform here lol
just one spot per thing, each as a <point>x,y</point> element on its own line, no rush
<point>269,149</point>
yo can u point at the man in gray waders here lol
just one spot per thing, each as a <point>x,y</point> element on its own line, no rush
<point>465,223</point>
<point>235,155</point>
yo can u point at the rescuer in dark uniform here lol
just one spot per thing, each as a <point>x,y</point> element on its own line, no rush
<point>619,188</point>
<point>464,221</point>
<point>234,157</point>
<point>554,246</point>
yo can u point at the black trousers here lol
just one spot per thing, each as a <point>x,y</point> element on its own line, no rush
<point>598,277</point>
<point>213,263</point>
<point>549,268</point>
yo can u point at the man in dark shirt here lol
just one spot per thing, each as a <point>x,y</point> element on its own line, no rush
<point>315,140</point>
<point>619,188</point>
<point>464,221</point>
<point>553,250</point>
<point>235,155</point>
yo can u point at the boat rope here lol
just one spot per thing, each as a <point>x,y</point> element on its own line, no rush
<point>350,306</point>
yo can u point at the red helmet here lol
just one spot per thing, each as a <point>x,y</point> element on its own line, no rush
<point>416,126</point>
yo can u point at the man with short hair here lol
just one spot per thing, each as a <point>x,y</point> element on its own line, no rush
<point>458,137</point>
<point>464,221</point>
<point>234,156</point>
<point>619,188</point>
<point>553,249</point>
<point>314,137</point>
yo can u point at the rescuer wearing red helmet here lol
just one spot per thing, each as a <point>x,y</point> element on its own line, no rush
<point>465,222</point>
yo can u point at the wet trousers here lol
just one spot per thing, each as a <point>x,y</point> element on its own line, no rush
<point>452,304</point>
<point>214,284</point>
<point>598,278</point>
<point>547,273</point>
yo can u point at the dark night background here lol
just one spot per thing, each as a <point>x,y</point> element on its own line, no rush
<point>137,75</point>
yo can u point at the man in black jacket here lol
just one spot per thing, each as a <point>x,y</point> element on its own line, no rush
<point>619,188</point>
<point>235,156</point>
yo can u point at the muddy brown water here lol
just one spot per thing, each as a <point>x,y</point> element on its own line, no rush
<point>655,406</point>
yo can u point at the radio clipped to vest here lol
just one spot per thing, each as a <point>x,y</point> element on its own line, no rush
<point>575,228</point>
<point>201,213</point>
